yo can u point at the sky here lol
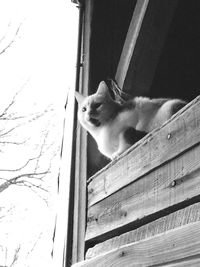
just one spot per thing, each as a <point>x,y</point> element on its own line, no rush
<point>38,40</point>
<point>44,45</point>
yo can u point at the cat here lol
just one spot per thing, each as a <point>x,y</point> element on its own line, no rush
<point>115,125</point>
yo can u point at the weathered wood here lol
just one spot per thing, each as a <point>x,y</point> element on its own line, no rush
<point>143,46</point>
<point>170,184</point>
<point>176,219</point>
<point>131,39</point>
<point>79,169</point>
<point>191,261</point>
<point>180,244</point>
<point>181,132</point>
<point>79,198</point>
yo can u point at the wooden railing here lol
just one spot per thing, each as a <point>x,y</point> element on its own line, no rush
<point>151,191</point>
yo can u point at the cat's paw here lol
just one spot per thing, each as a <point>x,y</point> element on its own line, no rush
<point>115,156</point>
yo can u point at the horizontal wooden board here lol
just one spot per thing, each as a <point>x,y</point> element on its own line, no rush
<point>177,181</point>
<point>181,132</point>
<point>176,219</point>
<point>190,262</point>
<point>182,243</point>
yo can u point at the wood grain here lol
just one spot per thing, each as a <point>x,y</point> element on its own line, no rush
<point>176,136</point>
<point>169,185</point>
<point>177,245</point>
<point>191,261</point>
<point>76,241</point>
<point>176,219</point>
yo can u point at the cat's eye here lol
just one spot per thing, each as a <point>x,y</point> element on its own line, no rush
<point>84,109</point>
<point>97,105</point>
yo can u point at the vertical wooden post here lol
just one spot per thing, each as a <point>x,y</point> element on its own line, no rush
<point>79,168</point>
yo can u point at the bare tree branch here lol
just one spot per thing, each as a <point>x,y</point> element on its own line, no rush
<point>21,167</point>
<point>12,41</point>
<point>16,256</point>
<point>12,142</point>
<point>6,212</point>
<point>9,105</point>
<point>16,180</point>
<point>34,245</point>
<point>35,169</point>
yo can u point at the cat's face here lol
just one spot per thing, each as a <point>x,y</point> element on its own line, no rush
<point>96,110</point>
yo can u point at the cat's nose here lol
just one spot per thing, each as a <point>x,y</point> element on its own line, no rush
<point>92,114</point>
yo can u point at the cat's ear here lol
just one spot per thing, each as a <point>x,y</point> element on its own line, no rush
<point>103,89</point>
<point>79,97</point>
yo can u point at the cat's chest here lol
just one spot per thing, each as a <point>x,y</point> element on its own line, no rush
<point>108,136</point>
<point>107,140</point>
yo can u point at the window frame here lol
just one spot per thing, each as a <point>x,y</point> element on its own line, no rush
<point>75,247</point>
<point>128,74</point>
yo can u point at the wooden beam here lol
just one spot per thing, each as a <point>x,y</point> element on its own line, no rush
<point>180,133</point>
<point>176,219</point>
<point>78,212</point>
<point>192,262</point>
<point>174,184</point>
<point>143,46</point>
<point>180,244</point>
<point>131,39</point>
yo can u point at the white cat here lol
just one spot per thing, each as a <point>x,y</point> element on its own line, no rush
<point>116,126</point>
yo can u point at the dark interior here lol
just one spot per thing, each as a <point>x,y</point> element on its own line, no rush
<point>110,22</point>
<point>178,71</point>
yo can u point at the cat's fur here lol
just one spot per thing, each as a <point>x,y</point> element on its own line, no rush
<point>116,126</point>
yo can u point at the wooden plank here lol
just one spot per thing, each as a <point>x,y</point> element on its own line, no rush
<point>143,46</point>
<point>131,39</point>
<point>181,132</point>
<point>172,246</point>
<point>191,261</point>
<point>176,219</point>
<point>79,169</point>
<point>164,188</point>
<point>79,198</point>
